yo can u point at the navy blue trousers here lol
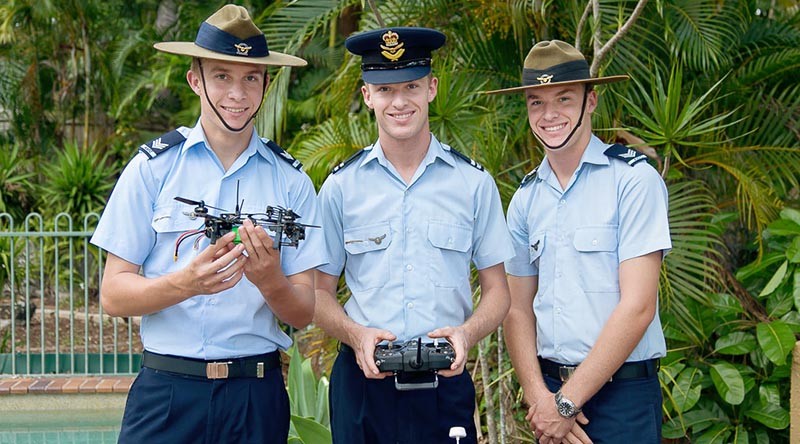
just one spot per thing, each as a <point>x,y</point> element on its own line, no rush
<point>373,411</point>
<point>165,407</point>
<point>623,411</point>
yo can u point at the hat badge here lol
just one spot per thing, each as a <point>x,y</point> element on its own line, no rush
<point>242,48</point>
<point>392,49</point>
<point>544,78</point>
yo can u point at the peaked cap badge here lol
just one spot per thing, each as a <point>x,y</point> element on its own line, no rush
<point>242,48</point>
<point>393,49</point>
<point>544,78</point>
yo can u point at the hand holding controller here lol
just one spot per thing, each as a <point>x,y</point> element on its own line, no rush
<point>414,357</point>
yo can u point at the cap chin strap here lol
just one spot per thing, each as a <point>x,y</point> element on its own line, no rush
<point>572,133</point>
<point>253,116</point>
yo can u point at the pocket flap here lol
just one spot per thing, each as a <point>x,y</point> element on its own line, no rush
<point>367,238</point>
<point>171,218</point>
<point>449,236</point>
<point>596,239</point>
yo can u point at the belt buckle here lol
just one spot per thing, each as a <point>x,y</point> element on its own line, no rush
<point>565,372</point>
<point>217,370</point>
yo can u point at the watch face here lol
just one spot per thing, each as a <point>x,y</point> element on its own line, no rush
<point>564,409</point>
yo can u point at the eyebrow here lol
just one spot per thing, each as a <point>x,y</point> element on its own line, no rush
<point>561,92</point>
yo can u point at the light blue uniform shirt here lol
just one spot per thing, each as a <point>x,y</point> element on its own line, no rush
<point>574,240</point>
<point>406,249</point>
<point>142,221</point>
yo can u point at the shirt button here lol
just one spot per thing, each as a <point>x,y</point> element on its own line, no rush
<point>558,274</point>
<point>594,241</point>
<point>410,305</point>
<point>409,267</point>
<point>213,301</point>
<point>563,201</point>
<point>558,349</point>
<point>450,241</point>
<point>558,311</point>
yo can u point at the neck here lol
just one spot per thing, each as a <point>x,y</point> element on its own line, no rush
<point>565,161</point>
<point>406,154</point>
<point>227,145</point>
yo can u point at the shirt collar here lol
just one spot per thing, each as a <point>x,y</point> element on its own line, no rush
<point>197,138</point>
<point>435,149</point>
<point>593,154</point>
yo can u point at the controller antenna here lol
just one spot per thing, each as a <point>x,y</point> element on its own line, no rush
<point>419,352</point>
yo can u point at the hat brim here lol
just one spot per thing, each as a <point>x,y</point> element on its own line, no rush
<point>191,49</point>
<point>597,81</point>
<point>382,77</point>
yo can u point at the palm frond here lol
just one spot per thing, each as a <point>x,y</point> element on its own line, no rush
<point>690,267</point>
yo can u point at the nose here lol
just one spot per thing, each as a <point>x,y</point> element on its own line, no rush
<point>550,111</point>
<point>399,100</point>
<point>237,91</point>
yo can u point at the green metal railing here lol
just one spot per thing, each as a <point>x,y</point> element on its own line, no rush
<point>51,321</point>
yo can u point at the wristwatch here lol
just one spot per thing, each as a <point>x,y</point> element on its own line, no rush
<point>565,407</point>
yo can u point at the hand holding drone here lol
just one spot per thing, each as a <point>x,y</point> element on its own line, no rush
<point>281,221</point>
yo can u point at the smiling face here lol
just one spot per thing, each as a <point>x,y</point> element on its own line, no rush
<point>554,111</point>
<point>401,109</point>
<point>235,90</point>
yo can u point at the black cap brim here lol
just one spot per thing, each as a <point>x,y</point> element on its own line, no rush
<point>381,77</point>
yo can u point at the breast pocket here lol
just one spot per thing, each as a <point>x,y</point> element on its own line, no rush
<point>597,258</point>
<point>175,218</point>
<point>451,253</point>
<point>368,261</point>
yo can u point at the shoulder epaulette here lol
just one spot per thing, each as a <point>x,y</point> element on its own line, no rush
<point>282,153</point>
<point>349,160</point>
<point>160,144</point>
<point>466,159</point>
<point>625,154</point>
<point>528,177</point>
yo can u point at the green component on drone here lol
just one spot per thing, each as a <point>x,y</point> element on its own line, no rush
<point>237,239</point>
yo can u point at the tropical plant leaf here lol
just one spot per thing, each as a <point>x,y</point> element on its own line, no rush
<point>736,343</point>
<point>771,415</point>
<point>686,390</point>
<point>728,381</point>
<point>776,340</point>
<point>310,431</point>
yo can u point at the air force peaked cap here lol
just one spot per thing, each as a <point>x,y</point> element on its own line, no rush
<point>395,55</point>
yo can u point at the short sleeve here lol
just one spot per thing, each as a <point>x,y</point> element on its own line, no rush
<point>643,213</point>
<point>517,220</point>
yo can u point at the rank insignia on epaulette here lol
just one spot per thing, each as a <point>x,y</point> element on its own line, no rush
<point>467,159</point>
<point>348,161</point>
<point>528,177</point>
<point>160,144</point>
<point>283,154</point>
<point>625,154</point>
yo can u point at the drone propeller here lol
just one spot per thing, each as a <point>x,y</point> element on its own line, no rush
<point>198,203</point>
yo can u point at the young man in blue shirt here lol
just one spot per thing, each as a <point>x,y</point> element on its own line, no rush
<point>403,219</point>
<point>211,367</point>
<point>590,230</point>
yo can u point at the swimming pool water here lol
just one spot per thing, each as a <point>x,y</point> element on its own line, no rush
<point>61,427</point>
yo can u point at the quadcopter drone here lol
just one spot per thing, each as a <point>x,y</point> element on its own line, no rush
<point>282,221</point>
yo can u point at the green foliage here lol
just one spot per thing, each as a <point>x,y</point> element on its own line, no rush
<point>308,400</point>
<point>737,390</point>
<point>79,181</point>
<point>15,181</point>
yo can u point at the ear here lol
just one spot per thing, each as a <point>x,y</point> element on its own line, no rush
<point>433,88</point>
<point>365,94</point>
<point>591,101</point>
<point>194,82</point>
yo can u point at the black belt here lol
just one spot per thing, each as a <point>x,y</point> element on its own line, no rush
<point>247,367</point>
<point>628,370</point>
